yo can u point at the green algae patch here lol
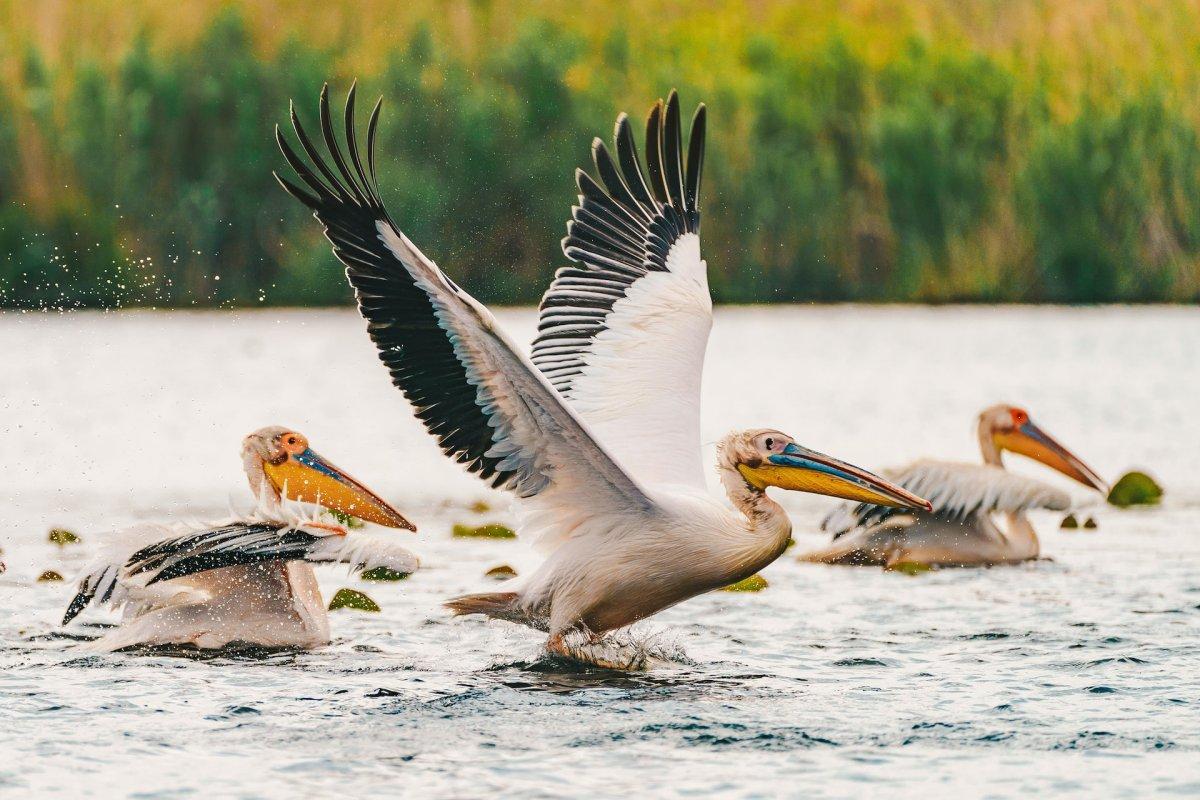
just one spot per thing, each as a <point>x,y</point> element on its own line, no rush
<point>48,576</point>
<point>790,544</point>
<point>1069,522</point>
<point>1135,489</point>
<point>909,567</point>
<point>501,573</point>
<point>383,575</point>
<point>493,530</point>
<point>62,537</point>
<point>353,600</point>
<point>755,583</point>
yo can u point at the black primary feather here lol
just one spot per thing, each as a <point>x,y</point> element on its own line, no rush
<point>401,319</point>
<point>227,546</point>
<point>622,229</point>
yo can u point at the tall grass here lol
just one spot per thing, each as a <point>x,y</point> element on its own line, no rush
<point>914,151</point>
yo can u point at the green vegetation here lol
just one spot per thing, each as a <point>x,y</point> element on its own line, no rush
<point>492,530</point>
<point>924,150</point>
<point>1135,489</point>
<point>383,575</point>
<point>755,583</point>
<point>353,600</point>
<point>62,537</point>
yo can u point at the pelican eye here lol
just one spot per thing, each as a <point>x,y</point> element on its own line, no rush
<point>770,443</point>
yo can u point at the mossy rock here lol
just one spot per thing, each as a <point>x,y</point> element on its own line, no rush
<point>354,600</point>
<point>383,575</point>
<point>755,583</point>
<point>49,575</point>
<point>501,573</point>
<point>1135,489</point>
<point>1069,522</point>
<point>62,537</point>
<point>1091,524</point>
<point>344,519</point>
<point>480,507</point>
<point>790,544</point>
<point>493,530</point>
<point>909,567</point>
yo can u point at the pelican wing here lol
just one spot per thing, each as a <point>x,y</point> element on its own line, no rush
<point>106,581</point>
<point>254,543</point>
<point>622,334</point>
<point>957,492</point>
<point>226,546</point>
<point>486,404</point>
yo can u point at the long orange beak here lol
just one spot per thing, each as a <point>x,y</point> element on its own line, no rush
<point>309,478</point>
<point>802,470</point>
<point>1031,441</point>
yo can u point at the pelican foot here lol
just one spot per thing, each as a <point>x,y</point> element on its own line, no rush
<point>607,653</point>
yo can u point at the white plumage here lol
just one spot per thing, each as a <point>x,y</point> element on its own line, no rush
<point>958,491</point>
<point>598,432</point>
<point>978,516</point>
<point>247,579</point>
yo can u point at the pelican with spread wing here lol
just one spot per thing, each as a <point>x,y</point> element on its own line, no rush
<point>248,580</point>
<point>961,530</point>
<point>598,434</point>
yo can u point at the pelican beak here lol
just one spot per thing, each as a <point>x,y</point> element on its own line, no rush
<point>803,470</point>
<point>1031,441</point>
<point>309,478</point>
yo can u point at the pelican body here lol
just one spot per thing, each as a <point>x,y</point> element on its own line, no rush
<point>247,580</point>
<point>598,432</point>
<point>978,516</point>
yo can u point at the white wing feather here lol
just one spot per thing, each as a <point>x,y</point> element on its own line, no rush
<point>956,490</point>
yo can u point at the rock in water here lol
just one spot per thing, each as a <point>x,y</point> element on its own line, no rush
<point>62,537</point>
<point>501,573</point>
<point>493,530</point>
<point>383,574</point>
<point>1135,489</point>
<point>755,583</point>
<point>1091,524</point>
<point>352,599</point>
<point>49,575</point>
<point>1069,522</point>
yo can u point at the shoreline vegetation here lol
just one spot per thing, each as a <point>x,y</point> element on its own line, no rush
<point>945,151</point>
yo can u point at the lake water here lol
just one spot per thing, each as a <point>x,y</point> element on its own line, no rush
<point>1077,676</point>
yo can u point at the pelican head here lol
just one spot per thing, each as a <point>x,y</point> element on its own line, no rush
<point>769,458</point>
<point>279,463</point>
<point>1004,427</point>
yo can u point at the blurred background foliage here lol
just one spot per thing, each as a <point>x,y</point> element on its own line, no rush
<point>921,150</point>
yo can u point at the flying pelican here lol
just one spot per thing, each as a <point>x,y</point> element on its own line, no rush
<point>599,433</point>
<point>960,531</point>
<point>246,580</point>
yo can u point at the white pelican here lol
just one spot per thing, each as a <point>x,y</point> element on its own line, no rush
<point>611,481</point>
<point>247,580</point>
<point>961,530</point>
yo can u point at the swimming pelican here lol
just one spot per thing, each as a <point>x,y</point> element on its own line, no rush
<point>961,530</point>
<point>598,434</point>
<point>246,580</point>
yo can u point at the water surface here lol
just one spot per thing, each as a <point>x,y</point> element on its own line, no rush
<point>1077,675</point>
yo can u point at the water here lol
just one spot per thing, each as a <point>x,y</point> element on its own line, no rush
<point>1077,676</point>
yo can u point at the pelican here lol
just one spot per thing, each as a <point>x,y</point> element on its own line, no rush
<point>961,530</point>
<point>598,434</point>
<point>247,580</point>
